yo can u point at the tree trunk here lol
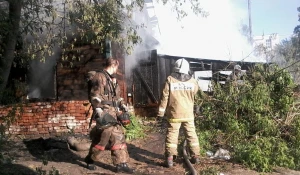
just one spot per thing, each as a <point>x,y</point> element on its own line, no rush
<point>15,7</point>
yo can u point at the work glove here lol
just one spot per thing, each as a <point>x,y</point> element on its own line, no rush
<point>124,107</point>
<point>124,119</point>
<point>160,113</point>
<point>99,111</point>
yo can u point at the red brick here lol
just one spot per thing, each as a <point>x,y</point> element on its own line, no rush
<point>78,130</point>
<point>40,123</point>
<point>28,114</point>
<point>81,117</point>
<point>43,132</point>
<point>39,126</point>
<point>26,124</point>
<point>72,107</point>
<point>43,120</point>
<point>40,129</point>
<point>25,117</point>
<point>25,121</point>
<point>47,125</point>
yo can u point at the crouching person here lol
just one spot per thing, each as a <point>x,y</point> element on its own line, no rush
<point>108,133</point>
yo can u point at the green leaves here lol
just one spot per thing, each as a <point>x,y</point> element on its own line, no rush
<point>264,153</point>
<point>251,119</point>
<point>135,129</point>
<point>57,23</point>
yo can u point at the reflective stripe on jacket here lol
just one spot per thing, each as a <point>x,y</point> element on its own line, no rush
<point>178,99</point>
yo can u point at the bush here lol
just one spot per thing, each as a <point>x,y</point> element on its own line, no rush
<point>7,120</point>
<point>255,120</point>
<point>135,129</point>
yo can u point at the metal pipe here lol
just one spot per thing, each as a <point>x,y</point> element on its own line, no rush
<point>250,21</point>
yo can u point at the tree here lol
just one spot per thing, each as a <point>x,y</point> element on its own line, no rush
<point>37,26</point>
<point>287,53</point>
<point>22,21</point>
<point>257,121</point>
<point>297,28</point>
<point>10,39</point>
<point>287,56</point>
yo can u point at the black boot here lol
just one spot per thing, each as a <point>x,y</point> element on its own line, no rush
<point>123,167</point>
<point>89,163</point>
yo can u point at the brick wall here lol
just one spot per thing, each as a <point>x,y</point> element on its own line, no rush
<point>40,119</point>
<point>73,67</point>
<point>68,113</point>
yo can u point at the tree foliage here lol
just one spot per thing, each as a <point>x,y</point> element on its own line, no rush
<point>297,28</point>
<point>286,54</point>
<point>35,29</point>
<point>256,121</point>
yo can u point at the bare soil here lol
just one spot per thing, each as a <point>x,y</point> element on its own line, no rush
<point>26,157</point>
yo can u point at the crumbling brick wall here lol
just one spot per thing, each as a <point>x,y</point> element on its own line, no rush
<point>73,67</point>
<point>41,119</point>
<point>68,112</point>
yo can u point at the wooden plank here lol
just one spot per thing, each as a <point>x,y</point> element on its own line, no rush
<point>146,86</point>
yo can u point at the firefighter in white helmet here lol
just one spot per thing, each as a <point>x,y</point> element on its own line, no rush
<point>177,103</point>
<point>236,73</point>
<point>236,77</point>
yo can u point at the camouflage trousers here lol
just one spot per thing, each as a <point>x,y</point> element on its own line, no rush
<point>190,134</point>
<point>111,138</point>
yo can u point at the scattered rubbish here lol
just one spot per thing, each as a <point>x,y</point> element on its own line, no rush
<point>220,154</point>
<point>209,153</point>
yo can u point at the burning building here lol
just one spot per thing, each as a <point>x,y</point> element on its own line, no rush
<point>57,102</point>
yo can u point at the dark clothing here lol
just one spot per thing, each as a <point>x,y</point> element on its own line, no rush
<point>113,139</point>
<point>105,99</point>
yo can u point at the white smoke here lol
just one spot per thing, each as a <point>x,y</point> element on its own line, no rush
<point>42,76</point>
<point>42,71</point>
<point>217,36</point>
<point>148,31</point>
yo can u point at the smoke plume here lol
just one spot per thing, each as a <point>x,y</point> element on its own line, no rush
<point>217,36</point>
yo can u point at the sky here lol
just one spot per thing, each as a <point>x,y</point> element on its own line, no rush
<point>219,36</point>
<point>271,16</point>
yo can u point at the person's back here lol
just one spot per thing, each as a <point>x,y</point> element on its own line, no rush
<point>177,102</point>
<point>183,88</point>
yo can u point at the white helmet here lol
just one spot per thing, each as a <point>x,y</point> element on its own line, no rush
<point>237,67</point>
<point>182,66</point>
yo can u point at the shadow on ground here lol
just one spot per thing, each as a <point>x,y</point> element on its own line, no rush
<point>144,155</point>
<point>16,169</point>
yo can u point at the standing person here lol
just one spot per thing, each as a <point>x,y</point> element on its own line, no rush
<point>108,133</point>
<point>236,77</point>
<point>236,73</point>
<point>177,102</point>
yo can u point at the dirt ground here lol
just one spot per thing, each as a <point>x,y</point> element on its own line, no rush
<point>26,157</point>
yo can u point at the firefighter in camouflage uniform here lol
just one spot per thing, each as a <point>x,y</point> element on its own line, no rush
<point>177,103</point>
<point>108,133</point>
